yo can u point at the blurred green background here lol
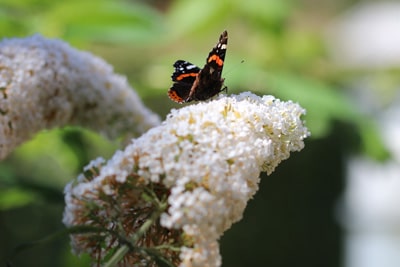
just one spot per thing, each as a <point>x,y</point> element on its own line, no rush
<point>291,221</point>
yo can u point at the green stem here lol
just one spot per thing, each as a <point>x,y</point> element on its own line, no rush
<point>123,250</point>
<point>118,256</point>
<point>169,247</point>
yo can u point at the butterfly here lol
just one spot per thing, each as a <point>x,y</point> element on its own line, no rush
<point>194,84</point>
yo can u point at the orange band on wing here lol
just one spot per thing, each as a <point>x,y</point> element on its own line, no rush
<point>180,77</point>
<point>217,59</point>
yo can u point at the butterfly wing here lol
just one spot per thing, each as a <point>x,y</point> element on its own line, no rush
<point>216,57</point>
<point>183,77</point>
<point>179,92</point>
<point>184,72</point>
<point>209,82</point>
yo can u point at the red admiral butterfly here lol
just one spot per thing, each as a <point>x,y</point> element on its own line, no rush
<point>194,84</point>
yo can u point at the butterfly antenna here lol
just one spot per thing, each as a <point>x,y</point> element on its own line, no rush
<point>233,67</point>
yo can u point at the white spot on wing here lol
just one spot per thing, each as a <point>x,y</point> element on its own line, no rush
<point>189,67</point>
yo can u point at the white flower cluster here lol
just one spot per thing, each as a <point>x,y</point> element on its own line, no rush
<point>209,155</point>
<point>46,83</point>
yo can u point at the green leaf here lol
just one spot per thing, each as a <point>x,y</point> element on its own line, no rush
<point>372,142</point>
<point>107,21</point>
<point>265,12</point>
<point>190,16</point>
<point>12,198</point>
